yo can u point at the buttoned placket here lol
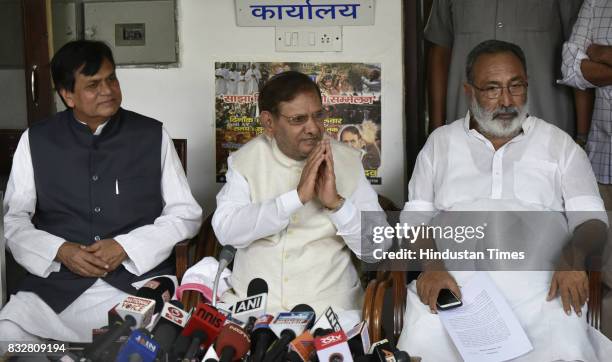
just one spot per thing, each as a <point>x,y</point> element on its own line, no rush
<point>497,168</point>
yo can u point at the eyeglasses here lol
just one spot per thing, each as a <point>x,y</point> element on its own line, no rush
<point>300,119</point>
<point>494,92</point>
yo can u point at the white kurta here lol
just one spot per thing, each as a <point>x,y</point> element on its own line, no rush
<point>278,237</point>
<point>252,78</point>
<point>35,250</point>
<point>220,81</point>
<point>540,169</point>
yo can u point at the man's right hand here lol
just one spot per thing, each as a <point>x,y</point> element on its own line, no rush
<point>306,188</point>
<point>600,53</point>
<point>429,285</point>
<point>81,262</point>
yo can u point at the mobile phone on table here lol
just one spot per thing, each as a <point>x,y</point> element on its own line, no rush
<point>447,300</point>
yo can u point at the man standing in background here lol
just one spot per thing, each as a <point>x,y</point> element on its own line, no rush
<point>587,65</point>
<point>538,27</point>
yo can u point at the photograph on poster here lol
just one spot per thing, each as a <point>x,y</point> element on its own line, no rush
<point>351,94</point>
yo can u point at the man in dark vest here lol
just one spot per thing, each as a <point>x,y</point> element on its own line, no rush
<point>95,203</point>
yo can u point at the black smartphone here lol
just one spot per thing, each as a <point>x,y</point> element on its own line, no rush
<point>447,300</point>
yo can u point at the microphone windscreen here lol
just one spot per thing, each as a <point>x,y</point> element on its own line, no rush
<point>177,303</point>
<point>180,346</point>
<point>232,336</point>
<point>227,253</point>
<point>302,308</point>
<point>194,347</point>
<point>306,308</point>
<point>257,286</point>
<point>320,332</point>
<point>160,289</point>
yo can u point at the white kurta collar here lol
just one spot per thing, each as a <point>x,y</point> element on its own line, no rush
<point>281,157</point>
<point>98,130</point>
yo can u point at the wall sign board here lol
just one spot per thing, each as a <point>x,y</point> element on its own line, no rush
<point>304,12</point>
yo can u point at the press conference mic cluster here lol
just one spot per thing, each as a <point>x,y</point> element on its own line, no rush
<point>150,327</point>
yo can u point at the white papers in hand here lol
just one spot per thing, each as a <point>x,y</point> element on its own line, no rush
<point>485,329</point>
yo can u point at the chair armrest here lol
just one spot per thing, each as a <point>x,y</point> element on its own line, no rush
<point>181,251</point>
<point>377,297</point>
<point>595,293</point>
<point>368,304</point>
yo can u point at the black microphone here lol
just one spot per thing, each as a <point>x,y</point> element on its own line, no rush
<point>257,286</point>
<point>261,337</point>
<point>135,311</point>
<point>96,352</point>
<point>359,339</point>
<point>160,289</point>
<point>287,325</point>
<point>254,305</point>
<point>193,350</point>
<point>180,346</point>
<point>171,322</point>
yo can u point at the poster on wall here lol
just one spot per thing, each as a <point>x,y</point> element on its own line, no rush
<point>351,99</point>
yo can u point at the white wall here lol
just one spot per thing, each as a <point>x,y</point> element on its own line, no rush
<point>183,97</point>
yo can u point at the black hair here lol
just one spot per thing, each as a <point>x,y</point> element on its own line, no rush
<point>492,47</point>
<point>86,55</point>
<point>284,87</point>
<point>351,129</point>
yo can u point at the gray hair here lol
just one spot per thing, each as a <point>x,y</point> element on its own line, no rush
<point>492,47</point>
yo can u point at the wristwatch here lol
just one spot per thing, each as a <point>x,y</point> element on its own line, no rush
<point>342,200</point>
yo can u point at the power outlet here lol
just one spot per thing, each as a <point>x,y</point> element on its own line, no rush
<point>309,39</point>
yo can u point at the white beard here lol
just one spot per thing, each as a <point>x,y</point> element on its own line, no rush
<point>497,127</point>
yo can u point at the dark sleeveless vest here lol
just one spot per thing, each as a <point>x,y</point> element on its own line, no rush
<point>94,187</point>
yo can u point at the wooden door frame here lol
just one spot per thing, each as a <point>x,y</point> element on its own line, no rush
<point>414,82</point>
<point>36,58</point>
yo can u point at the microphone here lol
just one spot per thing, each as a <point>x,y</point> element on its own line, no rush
<point>286,326</point>
<point>160,289</point>
<point>135,312</point>
<point>140,346</point>
<point>302,347</point>
<point>255,304</point>
<point>171,322</point>
<point>99,351</point>
<point>359,339</point>
<point>140,309</point>
<point>333,347</point>
<point>262,337</point>
<point>257,286</point>
<point>328,320</point>
<point>207,319</point>
<point>383,351</point>
<point>194,347</point>
<point>226,255</point>
<point>232,344</point>
<point>179,347</point>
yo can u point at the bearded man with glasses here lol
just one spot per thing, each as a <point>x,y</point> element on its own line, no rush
<point>499,158</point>
<point>291,205</point>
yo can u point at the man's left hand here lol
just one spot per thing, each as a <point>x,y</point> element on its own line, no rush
<point>326,180</point>
<point>108,250</point>
<point>573,287</point>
